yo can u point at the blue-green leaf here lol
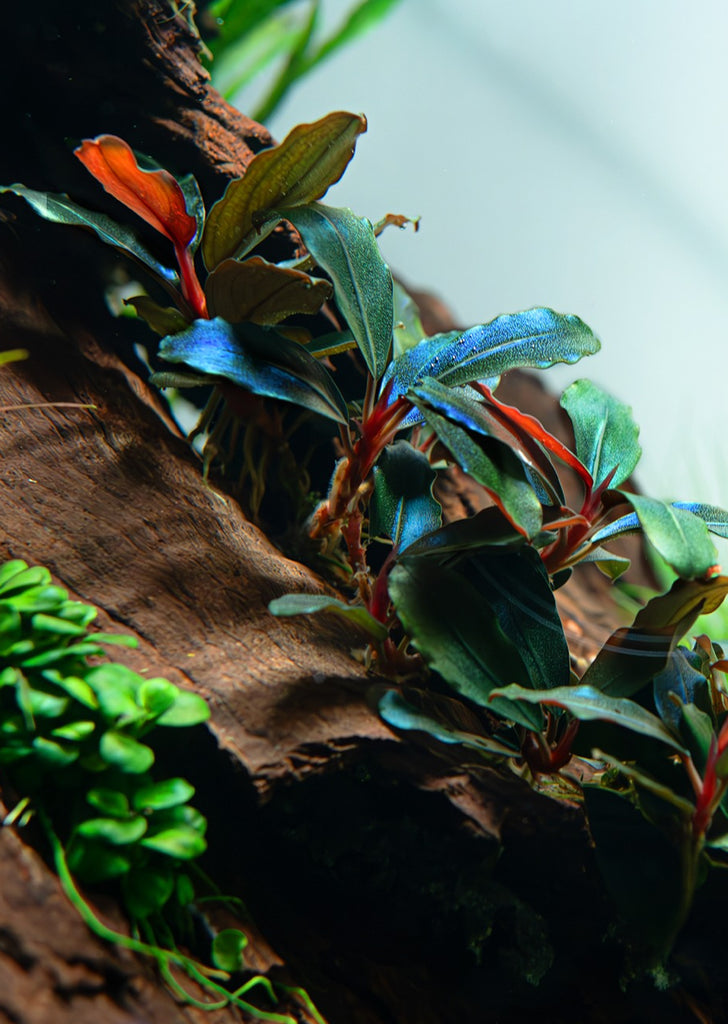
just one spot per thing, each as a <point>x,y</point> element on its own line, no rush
<point>259,360</point>
<point>679,536</point>
<point>345,246</point>
<point>399,713</point>
<point>682,679</point>
<point>402,506</point>
<point>715,518</point>
<point>62,210</point>
<point>588,704</point>
<point>605,433</point>
<point>535,338</point>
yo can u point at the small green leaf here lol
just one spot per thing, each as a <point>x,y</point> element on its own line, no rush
<point>679,536</point>
<point>74,731</point>
<point>227,950</point>
<point>403,507</point>
<point>309,160</point>
<point>110,802</point>
<point>12,569</point>
<point>41,598</point>
<point>345,246</point>
<point>56,626</point>
<point>156,695</point>
<point>188,709</point>
<point>74,687</point>
<point>125,753</point>
<point>45,705</point>
<point>262,292</point>
<point>161,795</point>
<point>588,704</point>
<point>53,753</point>
<point>259,360</point>
<point>606,435</point>
<point>182,842</point>
<point>146,891</point>
<point>163,320</point>
<point>94,862</point>
<point>116,689</point>
<point>116,831</point>
<point>311,604</point>
<point>62,210</point>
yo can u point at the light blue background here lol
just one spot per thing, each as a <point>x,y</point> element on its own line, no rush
<point>569,153</point>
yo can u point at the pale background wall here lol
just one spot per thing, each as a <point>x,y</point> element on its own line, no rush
<point>569,153</point>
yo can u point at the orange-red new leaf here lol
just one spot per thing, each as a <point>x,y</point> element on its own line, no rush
<point>154,195</point>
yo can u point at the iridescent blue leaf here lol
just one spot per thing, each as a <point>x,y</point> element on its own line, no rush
<point>680,678</point>
<point>535,338</point>
<point>605,433</point>
<point>260,360</point>
<point>345,246</point>
<point>402,506</point>
<point>715,518</point>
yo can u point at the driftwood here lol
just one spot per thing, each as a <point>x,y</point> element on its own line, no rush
<point>370,865</point>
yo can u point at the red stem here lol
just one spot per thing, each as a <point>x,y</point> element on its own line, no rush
<point>191,287</point>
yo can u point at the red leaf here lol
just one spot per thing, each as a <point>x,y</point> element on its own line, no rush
<point>154,195</point>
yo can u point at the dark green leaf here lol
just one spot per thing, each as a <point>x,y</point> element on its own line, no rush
<point>299,170</point>
<point>94,862</point>
<point>485,529</point>
<point>262,292</point>
<point>457,632</point>
<point>641,869</point>
<point>145,891</point>
<point>345,246</point>
<point>259,360</point>
<point>161,795</point>
<point>606,435</point>
<point>195,205</point>
<point>680,537</point>
<point>680,678</point>
<point>588,704</point>
<point>402,507</point>
<point>163,320</point>
<point>536,338</point>
<point>310,604</point>
<point>227,950</point>
<point>494,466</point>
<point>125,753</point>
<point>62,210</point>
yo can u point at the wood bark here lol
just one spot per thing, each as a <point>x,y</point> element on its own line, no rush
<point>372,867</point>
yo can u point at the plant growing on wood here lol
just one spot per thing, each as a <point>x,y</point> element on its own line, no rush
<point>473,601</point>
<point>77,753</point>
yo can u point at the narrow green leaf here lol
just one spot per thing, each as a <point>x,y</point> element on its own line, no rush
<point>345,246</point>
<point>258,360</point>
<point>311,604</point>
<point>457,632</point>
<point>536,338</point>
<point>679,536</point>
<point>227,950</point>
<point>309,160</point>
<point>401,714</point>
<point>262,292</point>
<point>402,507</point>
<point>606,435</point>
<point>163,320</point>
<point>62,210</point>
<point>493,465</point>
<point>56,626</point>
<point>588,704</point>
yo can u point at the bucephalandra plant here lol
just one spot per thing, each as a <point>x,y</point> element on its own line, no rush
<point>460,616</point>
<point>77,754</point>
